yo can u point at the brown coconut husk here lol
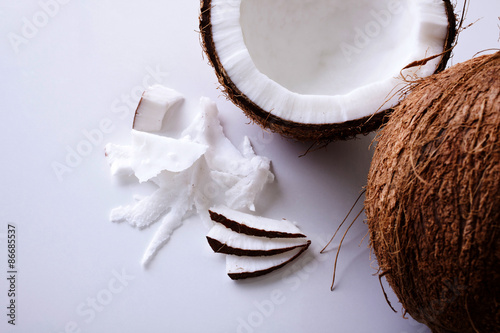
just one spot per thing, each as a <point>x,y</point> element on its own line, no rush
<point>318,133</point>
<point>433,199</point>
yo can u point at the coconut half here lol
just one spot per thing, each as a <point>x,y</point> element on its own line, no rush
<point>323,69</point>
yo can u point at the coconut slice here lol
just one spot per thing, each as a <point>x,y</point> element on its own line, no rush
<point>225,240</point>
<point>325,69</point>
<point>238,267</point>
<point>155,102</point>
<point>254,225</point>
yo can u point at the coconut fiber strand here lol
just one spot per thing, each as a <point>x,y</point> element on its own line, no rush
<point>433,199</point>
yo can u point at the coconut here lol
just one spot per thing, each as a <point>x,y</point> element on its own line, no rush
<point>254,245</point>
<point>323,70</point>
<point>433,199</point>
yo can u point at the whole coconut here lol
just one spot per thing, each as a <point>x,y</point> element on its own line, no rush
<point>433,199</point>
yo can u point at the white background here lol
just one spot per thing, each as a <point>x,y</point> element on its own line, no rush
<point>85,64</point>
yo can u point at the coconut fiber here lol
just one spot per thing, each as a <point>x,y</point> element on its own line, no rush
<point>433,199</point>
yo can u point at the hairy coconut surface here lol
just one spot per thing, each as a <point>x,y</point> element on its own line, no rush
<point>433,199</point>
<point>370,109</point>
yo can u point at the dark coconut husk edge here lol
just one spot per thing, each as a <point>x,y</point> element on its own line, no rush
<point>317,133</point>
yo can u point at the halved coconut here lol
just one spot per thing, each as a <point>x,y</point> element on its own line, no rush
<point>246,267</point>
<point>254,225</point>
<point>323,69</point>
<point>224,240</point>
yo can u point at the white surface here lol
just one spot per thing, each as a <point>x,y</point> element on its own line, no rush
<point>73,84</point>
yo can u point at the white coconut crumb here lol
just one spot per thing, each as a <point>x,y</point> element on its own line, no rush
<point>155,102</point>
<point>119,159</point>
<point>200,170</point>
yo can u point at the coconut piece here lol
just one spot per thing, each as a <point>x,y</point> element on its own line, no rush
<point>155,102</point>
<point>225,240</point>
<point>119,158</point>
<point>254,225</point>
<point>239,174</point>
<point>433,199</point>
<point>326,71</point>
<point>244,192</point>
<point>208,166</point>
<point>171,221</point>
<point>152,154</point>
<point>144,212</point>
<point>222,154</point>
<point>238,267</point>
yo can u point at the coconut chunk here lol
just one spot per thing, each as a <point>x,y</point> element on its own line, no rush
<point>222,154</point>
<point>254,225</point>
<point>153,154</point>
<point>238,267</point>
<point>240,173</point>
<point>155,102</point>
<point>225,240</point>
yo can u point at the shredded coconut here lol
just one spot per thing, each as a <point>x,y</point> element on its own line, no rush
<point>193,173</point>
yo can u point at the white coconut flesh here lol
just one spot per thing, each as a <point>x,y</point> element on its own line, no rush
<point>233,242</point>
<point>326,61</point>
<point>155,102</point>
<point>199,170</point>
<point>254,225</point>
<point>238,267</point>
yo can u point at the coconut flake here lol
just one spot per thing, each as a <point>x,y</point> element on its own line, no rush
<point>155,102</point>
<point>200,170</point>
<point>151,154</point>
<point>245,191</point>
<point>240,173</point>
<point>119,159</point>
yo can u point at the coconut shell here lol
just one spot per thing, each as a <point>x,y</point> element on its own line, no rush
<point>319,133</point>
<point>433,199</point>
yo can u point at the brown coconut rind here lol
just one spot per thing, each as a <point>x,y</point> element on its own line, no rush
<point>317,133</point>
<point>433,199</point>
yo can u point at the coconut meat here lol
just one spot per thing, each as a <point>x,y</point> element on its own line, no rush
<point>254,245</point>
<point>155,102</point>
<point>119,158</point>
<point>248,244</point>
<point>238,267</point>
<point>151,154</point>
<point>199,170</point>
<point>252,224</point>
<point>326,61</point>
